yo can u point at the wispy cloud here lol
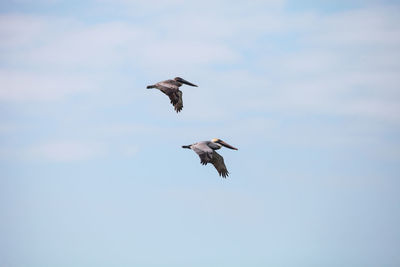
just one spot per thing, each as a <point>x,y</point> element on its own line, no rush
<point>307,90</point>
<point>65,151</point>
<point>336,55</point>
<point>31,86</point>
<point>263,62</point>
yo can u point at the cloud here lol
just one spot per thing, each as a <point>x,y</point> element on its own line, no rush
<point>69,151</point>
<point>362,27</point>
<point>70,44</point>
<point>184,6</point>
<point>65,151</point>
<point>18,30</point>
<point>31,86</point>
<point>344,63</point>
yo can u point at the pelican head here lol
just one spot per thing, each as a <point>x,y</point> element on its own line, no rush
<point>222,143</point>
<point>179,79</point>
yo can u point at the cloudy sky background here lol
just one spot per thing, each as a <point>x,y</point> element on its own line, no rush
<point>92,173</point>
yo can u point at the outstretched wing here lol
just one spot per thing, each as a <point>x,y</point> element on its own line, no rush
<point>176,100</point>
<point>205,152</point>
<point>218,162</point>
<point>174,94</point>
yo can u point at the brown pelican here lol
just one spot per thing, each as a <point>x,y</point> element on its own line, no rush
<point>207,154</point>
<point>171,89</point>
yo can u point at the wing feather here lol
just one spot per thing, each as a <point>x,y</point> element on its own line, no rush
<point>208,155</point>
<point>178,102</point>
<point>175,96</point>
<point>219,164</point>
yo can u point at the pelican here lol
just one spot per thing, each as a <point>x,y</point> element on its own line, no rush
<point>207,154</point>
<point>171,89</point>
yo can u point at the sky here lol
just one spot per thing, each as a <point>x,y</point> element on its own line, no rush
<point>92,169</point>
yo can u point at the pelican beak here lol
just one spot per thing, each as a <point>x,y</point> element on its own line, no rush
<point>227,145</point>
<point>186,82</point>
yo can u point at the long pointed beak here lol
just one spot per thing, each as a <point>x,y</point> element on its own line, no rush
<point>186,82</point>
<point>227,145</point>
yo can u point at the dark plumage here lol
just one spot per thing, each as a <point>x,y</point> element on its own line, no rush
<point>171,89</point>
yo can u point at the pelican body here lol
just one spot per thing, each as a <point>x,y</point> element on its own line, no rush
<point>207,154</point>
<point>171,89</point>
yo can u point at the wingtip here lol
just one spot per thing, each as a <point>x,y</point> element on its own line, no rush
<point>178,109</point>
<point>224,174</point>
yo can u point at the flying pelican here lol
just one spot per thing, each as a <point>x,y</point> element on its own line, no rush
<point>207,154</point>
<point>171,89</point>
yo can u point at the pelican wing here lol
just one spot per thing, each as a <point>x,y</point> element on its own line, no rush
<point>218,162</point>
<point>176,100</point>
<point>205,152</point>
<point>174,94</point>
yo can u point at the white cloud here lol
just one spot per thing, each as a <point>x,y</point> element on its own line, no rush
<point>75,45</point>
<point>28,86</point>
<point>65,151</point>
<point>18,30</point>
<point>187,6</point>
<point>344,63</point>
<point>363,27</point>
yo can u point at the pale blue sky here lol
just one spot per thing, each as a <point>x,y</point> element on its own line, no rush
<point>92,169</point>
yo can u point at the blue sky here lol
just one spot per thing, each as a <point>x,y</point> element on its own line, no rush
<point>92,170</point>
